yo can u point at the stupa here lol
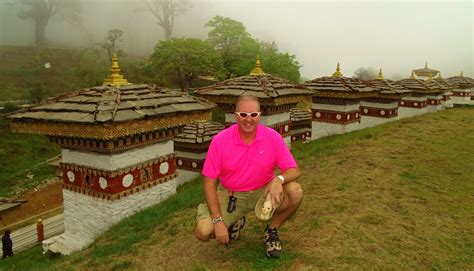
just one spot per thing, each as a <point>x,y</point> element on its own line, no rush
<point>300,124</point>
<point>382,107</point>
<point>277,96</point>
<point>191,147</point>
<point>117,153</point>
<point>336,103</point>
<point>462,89</point>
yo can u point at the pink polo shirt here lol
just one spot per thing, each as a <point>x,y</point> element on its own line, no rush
<point>241,167</point>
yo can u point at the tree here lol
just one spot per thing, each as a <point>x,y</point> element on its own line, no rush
<point>228,36</point>
<point>365,73</point>
<point>182,60</point>
<point>166,11</point>
<point>110,42</point>
<point>41,11</point>
<point>278,63</point>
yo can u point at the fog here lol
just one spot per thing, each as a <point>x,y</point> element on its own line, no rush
<point>394,36</point>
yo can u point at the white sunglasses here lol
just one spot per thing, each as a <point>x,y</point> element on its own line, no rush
<point>245,114</point>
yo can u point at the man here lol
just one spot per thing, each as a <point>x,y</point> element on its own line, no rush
<point>243,157</point>
<point>7,245</point>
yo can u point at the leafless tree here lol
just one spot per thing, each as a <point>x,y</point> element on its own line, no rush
<point>165,11</point>
<point>365,73</point>
<point>110,42</point>
<point>41,11</point>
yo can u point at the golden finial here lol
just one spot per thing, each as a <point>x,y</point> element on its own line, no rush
<point>257,70</point>
<point>413,76</point>
<point>426,64</point>
<point>115,78</point>
<point>439,75</point>
<point>462,74</point>
<point>430,77</point>
<point>338,72</point>
<point>380,75</point>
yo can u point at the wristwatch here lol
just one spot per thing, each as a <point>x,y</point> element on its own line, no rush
<point>282,179</point>
<point>217,220</point>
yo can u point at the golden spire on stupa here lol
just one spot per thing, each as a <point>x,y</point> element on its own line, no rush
<point>430,77</point>
<point>413,76</point>
<point>380,75</point>
<point>338,72</point>
<point>115,78</point>
<point>257,70</point>
<point>426,64</point>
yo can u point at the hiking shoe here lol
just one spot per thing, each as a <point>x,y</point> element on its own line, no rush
<point>234,229</point>
<point>272,241</point>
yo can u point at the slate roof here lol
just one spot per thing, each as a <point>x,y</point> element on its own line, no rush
<point>385,86</point>
<point>265,86</point>
<point>462,82</point>
<point>199,132</point>
<point>298,114</point>
<point>338,84</point>
<point>417,85</point>
<point>107,104</point>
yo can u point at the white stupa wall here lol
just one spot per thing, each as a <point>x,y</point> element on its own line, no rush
<point>323,129</point>
<point>433,107</point>
<point>185,176</point>
<point>86,217</point>
<point>117,161</point>
<point>461,96</point>
<point>370,121</point>
<point>336,107</point>
<point>405,112</point>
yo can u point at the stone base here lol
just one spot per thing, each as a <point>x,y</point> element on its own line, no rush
<point>461,100</point>
<point>86,217</point>
<point>369,121</point>
<point>434,108</point>
<point>322,129</point>
<point>406,112</point>
<point>185,176</point>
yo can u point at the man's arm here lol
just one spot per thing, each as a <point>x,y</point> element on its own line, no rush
<point>210,193</point>
<point>275,187</point>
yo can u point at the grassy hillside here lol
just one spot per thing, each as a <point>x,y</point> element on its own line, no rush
<point>71,69</point>
<point>21,154</point>
<point>396,196</point>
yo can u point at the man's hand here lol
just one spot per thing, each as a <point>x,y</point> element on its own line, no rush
<point>221,232</point>
<point>275,188</point>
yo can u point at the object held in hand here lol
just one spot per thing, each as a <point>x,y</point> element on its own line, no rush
<point>264,209</point>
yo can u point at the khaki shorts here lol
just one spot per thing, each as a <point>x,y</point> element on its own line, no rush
<point>245,204</point>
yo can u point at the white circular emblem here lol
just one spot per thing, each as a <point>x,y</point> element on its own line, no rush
<point>286,128</point>
<point>357,115</point>
<point>307,133</point>
<point>338,116</point>
<point>71,177</point>
<point>382,113</point>
<point>366,110</point>
<point>180,162</point>
<point>318,115</point>
<point>390,113</point>
<point>294,138</point>
<point>303,136</point>
<point>402,102</point>
<point>103,182</point>
<point>127,180</point>
<point>164,167</point>
<point>432,102</point>
<point>348,117</point>
<point>415,104</point>
<point>194,164</point>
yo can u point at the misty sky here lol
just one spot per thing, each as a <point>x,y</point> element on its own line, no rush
<point>397,36</point>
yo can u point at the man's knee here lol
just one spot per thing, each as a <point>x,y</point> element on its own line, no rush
<point>294,192</point>
<point>204,230</point>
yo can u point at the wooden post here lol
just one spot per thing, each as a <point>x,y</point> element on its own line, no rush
<point>40,230</point>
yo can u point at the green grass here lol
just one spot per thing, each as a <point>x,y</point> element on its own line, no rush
<point>390,197</point>
<point>21,154</point>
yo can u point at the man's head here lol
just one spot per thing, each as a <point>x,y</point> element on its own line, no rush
<point>244,107</point>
